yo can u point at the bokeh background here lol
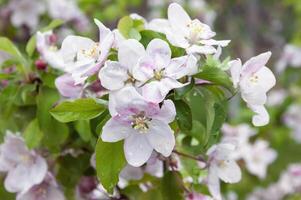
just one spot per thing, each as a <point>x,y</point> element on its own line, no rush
<point>253,26</point>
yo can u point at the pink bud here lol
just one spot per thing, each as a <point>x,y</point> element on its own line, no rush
<point>40,64</point>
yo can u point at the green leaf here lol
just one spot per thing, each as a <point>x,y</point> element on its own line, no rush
<point>184,116</point>
<point>171,186</point>
<point>125,25</point>
<point>181,92</point>
<point>110,161</point>
<point>8,47</point>
<point>31,45</point>
<point>32,134</point>
<point>84,130</point>
<point>80,109</point>
<point>134,34</point>
<point>55,133</point>
<point>216,76</point>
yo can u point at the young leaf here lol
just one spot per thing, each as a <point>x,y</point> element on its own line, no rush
<point>125,25</point>
<point>8,47</point>
<point>184,116</point>
<point>32,134</point>
<point>110,161</point>
<point>31,45</point>
<point>84,130</point>
<point>80,109</point>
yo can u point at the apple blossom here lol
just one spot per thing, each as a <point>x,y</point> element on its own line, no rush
<point>192,35</point>
<point>116,75</point>
<point>158,72</point>
<point>254,81</point>
<point>143,125</point>
<point>291,56</point>
<point>292,119</point>
<point>26,12</point>
<point>258,156</point>
<point>46,190</point>
<point>82,56</point>
<point>221,166</point>
<point>24,167</point>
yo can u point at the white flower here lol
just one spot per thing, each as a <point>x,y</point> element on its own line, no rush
<point>182,31</point>
<point>24,167</point>
<point>143,126</point>
<point>48,49</point>
<point>291,56</point>
<point>47,190</point>
<point>83,57</point>
<point>221,166</point>
<point>26,12</point>
<point>258,157</point>
<point>115,75</point>
<point>254,80</point>
<point>67,10</point>
<point>292,118</point>
<point>159,72</point>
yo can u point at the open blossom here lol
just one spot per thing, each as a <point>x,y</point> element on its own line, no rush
<point>143,125</point>
<point>82,56</point>
<point>24,168</point>
<point>46,190</point>
<point>254,80</point>
<point>258,157</point>
<point>221,166</point>
<point>116,75</point>
<point>67,88</point>
<point>26,12</point>
<point>159,72</point>
<point>182,31</point>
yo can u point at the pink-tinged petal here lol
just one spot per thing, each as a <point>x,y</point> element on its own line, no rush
<point>103,30</point>
<point>160,52</point>
<point>156,91</point>
<point>213,183</point>
<point>265,78</point>
<point>229,172</point>
<point>235,70</point>
<point>144,70</point>
<point>118,100</point>
<point>154,166</point>
<point>212,42</point>
<point>261,117</point>
<point>113,76</point>
<point>26,175</point>
<point>131,173</point>
<point>255,63</point>
<point>137,149</point>
<point>130,51</point>
<point>182,66</point>
<point>201,49</point>
<point>66,86</point>
<point>115,130</point>
<point>167,112</point>
<point>178,18</point>
<point>161,137</point>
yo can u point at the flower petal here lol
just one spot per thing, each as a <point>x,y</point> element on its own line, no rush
<point>129,53</point>
<point>115,130</point>
<point>213,183</point>
<point>182,66</point>
<point>255,63</point>
<point>66,86</point>
<point>201,49</point>
<point>229,171</point>
<point>266,78</point>
<point>161,137</point>
<point>235,70</point>
<point>261,117</point>
<point>160,52</point>
<point>167,112</point>
<point>178,18</point>
<point>113,76</point>
<point>103,30</point>
<point>137,149</point>
<point>212,42</point>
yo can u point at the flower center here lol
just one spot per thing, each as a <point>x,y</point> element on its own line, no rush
<point>130,79</point>
<point>140,122</point>
<point>195,30</point>
<point>92,52</point>
<point>254,79</point>
<point>158,75</point>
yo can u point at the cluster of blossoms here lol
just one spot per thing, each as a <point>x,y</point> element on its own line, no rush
<point>27,171</point>
<point>139,81</point>
<point>289,183</point>
<point>28,12</point>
